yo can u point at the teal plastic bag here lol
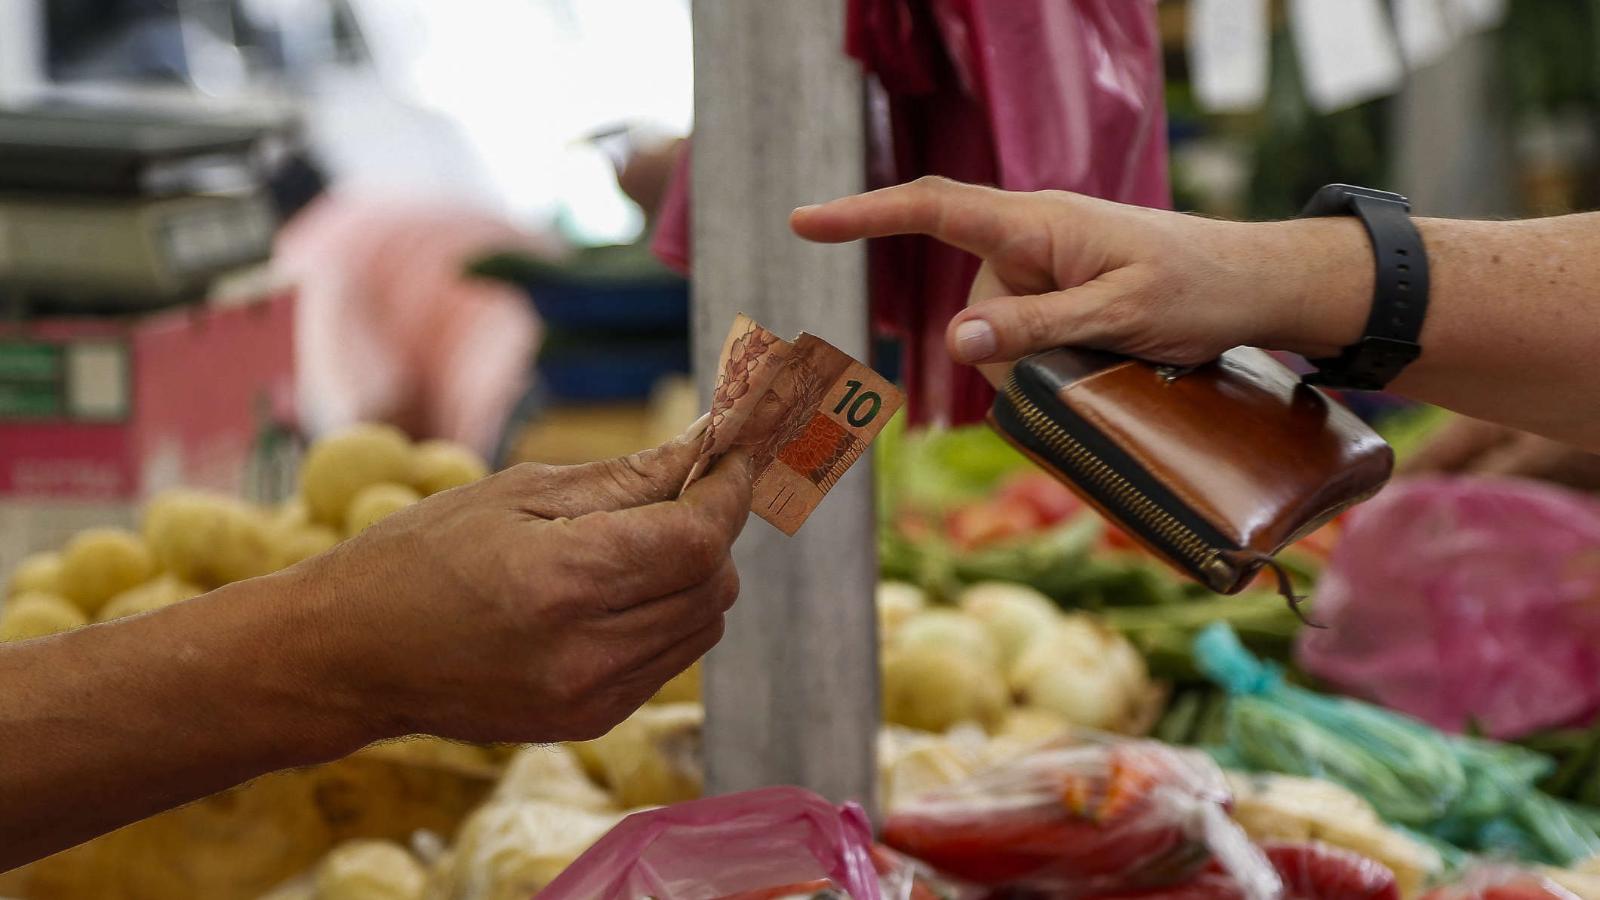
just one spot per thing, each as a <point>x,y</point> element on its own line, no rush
<point>1476,794</point>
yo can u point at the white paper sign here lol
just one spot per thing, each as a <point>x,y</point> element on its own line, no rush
<point>1425,34</point>
<point>1228,53</point>
<point>1347,51</point>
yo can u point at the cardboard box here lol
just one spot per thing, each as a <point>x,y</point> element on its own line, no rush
<point>97,415</point>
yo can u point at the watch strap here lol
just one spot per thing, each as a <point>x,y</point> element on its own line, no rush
<point>1391,340</point>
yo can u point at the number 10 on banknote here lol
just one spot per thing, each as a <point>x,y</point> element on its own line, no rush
<point>805,411</point>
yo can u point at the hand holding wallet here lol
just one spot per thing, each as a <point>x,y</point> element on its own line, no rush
<point>1214,469</point>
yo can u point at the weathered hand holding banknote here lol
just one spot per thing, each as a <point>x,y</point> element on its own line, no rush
<point>804,409</point>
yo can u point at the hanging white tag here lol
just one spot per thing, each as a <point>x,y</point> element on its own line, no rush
<point>1425,33</point>
<point>1347,51</point>
<point>1228,50</point>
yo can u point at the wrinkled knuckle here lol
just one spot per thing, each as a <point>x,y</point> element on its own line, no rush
<point>533,472</point>
<point>1124,317</point>
<point>1035,323</point>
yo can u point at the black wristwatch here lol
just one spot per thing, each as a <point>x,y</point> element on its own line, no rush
<point>1400,291</point>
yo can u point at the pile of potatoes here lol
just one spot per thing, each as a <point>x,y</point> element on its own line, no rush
<point>192,541</point>
<point>1003,651</point>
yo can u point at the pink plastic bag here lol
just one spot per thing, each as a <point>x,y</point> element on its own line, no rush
<point>734,846</point>
<point>1466,600</point>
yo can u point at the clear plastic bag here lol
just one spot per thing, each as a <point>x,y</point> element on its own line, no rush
<point>1082,819</point>
<point>768,843</point>
<point>1466,601</point>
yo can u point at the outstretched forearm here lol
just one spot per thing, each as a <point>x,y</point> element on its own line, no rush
<point>510,610</point>
<point>109,724</point>
<point>1513,327</point>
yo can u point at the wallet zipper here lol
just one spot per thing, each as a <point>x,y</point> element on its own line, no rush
<point>1100,478</point>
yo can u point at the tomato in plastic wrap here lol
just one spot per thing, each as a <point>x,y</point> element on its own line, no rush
<point>1089,818</point>
<point>1500,882</point>
<point>1306,872</point>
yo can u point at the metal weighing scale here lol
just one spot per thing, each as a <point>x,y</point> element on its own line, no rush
<point>117,209</point>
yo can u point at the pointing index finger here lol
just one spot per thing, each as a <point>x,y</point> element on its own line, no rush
<point>973,218</point>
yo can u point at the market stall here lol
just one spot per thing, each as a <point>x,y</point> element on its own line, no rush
<point>959,679</point>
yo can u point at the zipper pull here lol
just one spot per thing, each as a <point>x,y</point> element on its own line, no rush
<point>1285,584</point>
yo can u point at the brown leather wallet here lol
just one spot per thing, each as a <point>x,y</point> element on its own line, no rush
<point>1214,468</point>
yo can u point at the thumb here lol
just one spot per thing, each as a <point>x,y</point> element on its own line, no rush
<point>1003,329</point>
<point>649,476</point>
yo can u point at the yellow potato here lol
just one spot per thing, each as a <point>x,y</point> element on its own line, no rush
<point>375,502</point>
<point>338,467</point>
<point>1084,672</point>
<point>933,688</point>
<point>165,590</point>
<point>1015,615</point>
<point>652,758</point>
<point>947,629</point>
<point>898,602</point>
<point>36,572</point>
<point>369,870</point>
<point>1031,725</point>
<point>511,850</point>
<point>552,773</point>
<point>292,513</point>
<point>441,465</point>
<point>102,562</point>
<point>301,543</point>
<point>209,539</point>
<point>36,614</point>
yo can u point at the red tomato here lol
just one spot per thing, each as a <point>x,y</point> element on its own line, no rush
<point>1052,500</point>
<point>1115,540</point>
<point>989,521</point>
<point>913,526</point>
<point>1321,872</point>
<point>1038,843</point>
<point>1308,871</point>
